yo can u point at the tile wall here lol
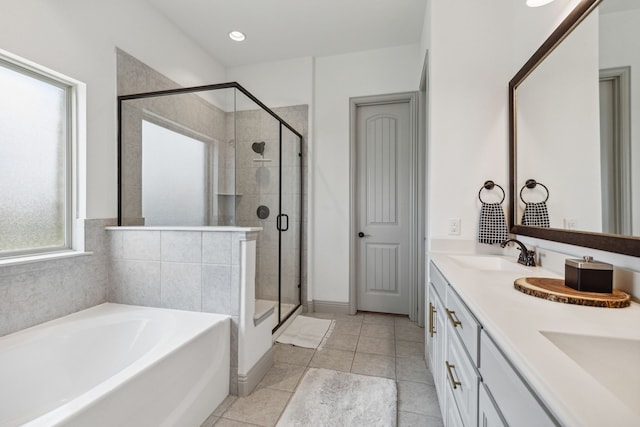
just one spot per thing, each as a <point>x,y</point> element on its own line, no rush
<point>184,270</point>
<point>37,292</point>
<point>259,184</point>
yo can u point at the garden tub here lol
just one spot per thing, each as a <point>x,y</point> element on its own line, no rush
<point>116,364</point>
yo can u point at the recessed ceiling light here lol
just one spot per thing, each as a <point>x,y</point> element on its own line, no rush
<point>237,36</point>
<point>536,3</point>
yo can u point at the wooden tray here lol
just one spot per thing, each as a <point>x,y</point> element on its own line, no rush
<point>555,290</point>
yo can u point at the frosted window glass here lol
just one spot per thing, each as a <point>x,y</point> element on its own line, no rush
<point>33,152</point>
<point>174,178</point>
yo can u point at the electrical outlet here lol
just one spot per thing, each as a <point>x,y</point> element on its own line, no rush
<point>454,227</point>
<point>570,223</point>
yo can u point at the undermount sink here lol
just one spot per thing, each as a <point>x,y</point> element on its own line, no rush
<point>488,263</point>
<point>613,362</point>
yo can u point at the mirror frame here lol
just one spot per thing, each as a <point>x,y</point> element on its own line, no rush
<point>627,245</point>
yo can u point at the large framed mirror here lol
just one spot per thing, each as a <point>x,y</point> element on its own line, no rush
<point>574,161</point>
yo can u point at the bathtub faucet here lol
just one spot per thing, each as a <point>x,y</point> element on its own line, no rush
<point>527,257</point>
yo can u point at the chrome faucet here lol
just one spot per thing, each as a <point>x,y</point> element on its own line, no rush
<point>527,257</point>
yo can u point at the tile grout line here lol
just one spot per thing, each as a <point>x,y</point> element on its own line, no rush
<point>355,351</point>
<point>307,366</point>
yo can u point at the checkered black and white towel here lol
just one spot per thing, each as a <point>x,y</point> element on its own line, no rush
<point>535,214</point>
<point>493,225</point>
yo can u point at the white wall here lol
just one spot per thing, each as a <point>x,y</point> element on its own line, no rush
<point>278,83</point>
<point>470,66</point>
<point>532,26</point>
<point>337,79</point>
<point>474,50</point>
<point>425,38</point>
<point>78,38</point>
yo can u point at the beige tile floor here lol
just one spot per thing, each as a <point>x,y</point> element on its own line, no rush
<point>368,344</point>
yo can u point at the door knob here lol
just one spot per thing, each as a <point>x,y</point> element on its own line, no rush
<point>361,235</point>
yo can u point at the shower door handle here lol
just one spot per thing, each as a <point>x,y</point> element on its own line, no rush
<point>279,222</point>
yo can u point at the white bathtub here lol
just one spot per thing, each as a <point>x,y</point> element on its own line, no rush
<point>113,365</point>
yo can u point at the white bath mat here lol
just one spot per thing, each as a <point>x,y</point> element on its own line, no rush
<point>305,332</point>
<point>331,398</point>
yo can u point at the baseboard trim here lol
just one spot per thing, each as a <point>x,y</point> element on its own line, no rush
<point>331,307</point>
<point>307,307</point>
<point>247,383</point>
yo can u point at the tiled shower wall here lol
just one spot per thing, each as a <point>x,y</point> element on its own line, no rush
<point>40,291</point>
<point>192,114</point>
<point>258,184</point>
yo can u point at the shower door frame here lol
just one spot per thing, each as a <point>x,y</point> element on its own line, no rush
<point>218,86</point>
<point>281,321</point>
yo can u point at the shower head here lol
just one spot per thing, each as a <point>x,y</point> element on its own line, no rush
<point>258,147</point>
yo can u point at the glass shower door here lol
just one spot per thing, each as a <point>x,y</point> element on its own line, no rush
<point>289,221</point>
<point>257,177</point>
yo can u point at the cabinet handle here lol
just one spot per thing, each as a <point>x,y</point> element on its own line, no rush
<point>432,311</point>
<point>453,318</point>
<point>450,368</point>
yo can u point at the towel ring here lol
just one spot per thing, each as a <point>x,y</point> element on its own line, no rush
<point>489,185</point>
<point>531,184</point>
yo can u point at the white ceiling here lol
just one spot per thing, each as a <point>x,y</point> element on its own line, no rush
<point>285,29</point>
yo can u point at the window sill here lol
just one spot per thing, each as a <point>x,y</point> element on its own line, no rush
<point>28,259</point>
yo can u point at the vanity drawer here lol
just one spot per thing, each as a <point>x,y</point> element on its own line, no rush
<point>451,415</point>
<point>464,323</point>
<point>462,379</point>
<point>438,280</point>
<point>515,401</point>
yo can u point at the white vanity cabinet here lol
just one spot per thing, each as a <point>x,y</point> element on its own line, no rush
<point>515,401</point>
<point>488,413</point>
<point>451,416</point>
<point>461,356</point>
<point>435,341</point>
<point>453,338</point>
<point>476,385</point>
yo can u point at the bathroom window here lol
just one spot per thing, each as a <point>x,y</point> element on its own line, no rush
<point>38,137</point>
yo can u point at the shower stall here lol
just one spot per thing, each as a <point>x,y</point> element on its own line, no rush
<point>216,156</point>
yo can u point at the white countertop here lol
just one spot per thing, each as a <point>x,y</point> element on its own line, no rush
<point>514,321</point>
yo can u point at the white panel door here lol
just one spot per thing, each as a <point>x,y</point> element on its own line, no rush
<point>383,159</point>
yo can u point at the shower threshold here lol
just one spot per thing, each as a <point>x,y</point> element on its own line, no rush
<point>262,306</point>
